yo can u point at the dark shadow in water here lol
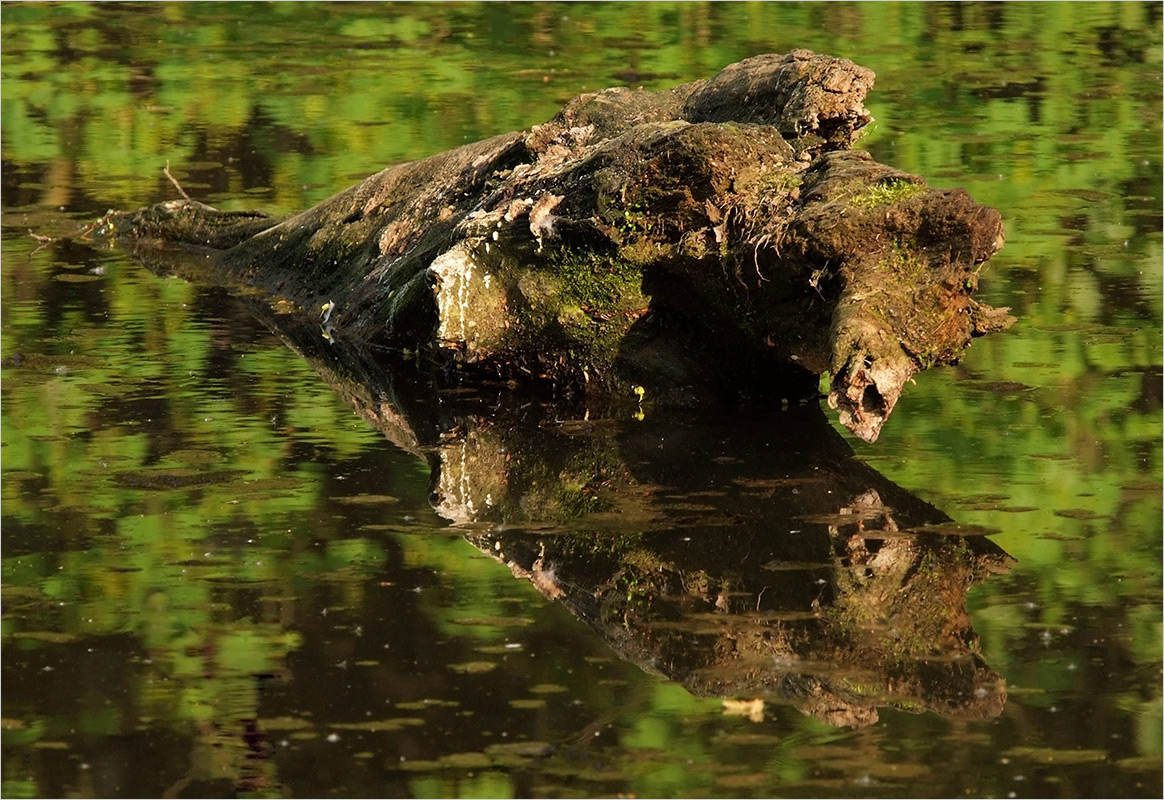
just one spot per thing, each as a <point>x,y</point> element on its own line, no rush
<point>748,556</point>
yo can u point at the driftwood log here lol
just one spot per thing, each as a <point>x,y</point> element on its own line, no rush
<point>717,240</point>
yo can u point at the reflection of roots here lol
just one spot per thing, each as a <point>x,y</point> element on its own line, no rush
<point>966,689</point>
<point>870,515</point>
<point>898,617</point>
<point>816,699</point>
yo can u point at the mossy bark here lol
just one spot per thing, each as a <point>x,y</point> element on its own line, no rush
<point>716,239</point>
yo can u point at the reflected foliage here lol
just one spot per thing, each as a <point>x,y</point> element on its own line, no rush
<point>209,560</point>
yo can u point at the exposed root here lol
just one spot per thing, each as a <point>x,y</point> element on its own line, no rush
<point>44,242</point>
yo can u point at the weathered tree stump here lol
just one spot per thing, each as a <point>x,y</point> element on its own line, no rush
<point>719,239</point>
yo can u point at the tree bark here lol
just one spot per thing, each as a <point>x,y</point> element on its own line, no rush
<point>716,240</point>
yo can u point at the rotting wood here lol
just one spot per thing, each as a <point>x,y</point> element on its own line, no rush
<point>718,240</point>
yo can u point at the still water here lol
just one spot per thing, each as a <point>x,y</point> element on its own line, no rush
<point>231,569</point>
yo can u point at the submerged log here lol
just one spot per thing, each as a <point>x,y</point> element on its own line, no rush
<point>716,240</point>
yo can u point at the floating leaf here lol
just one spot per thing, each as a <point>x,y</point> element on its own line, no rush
<point>547,688</point>
<point>366,499</point>
<point>466,760</point>
<point>373,726</point>
<point>1078,513</point>
<point>174,478</point>
<point>494,622</point>
<point>518,750</point>
<point>1050,755</point>
<point>54,637</point>
<point>530,703</point>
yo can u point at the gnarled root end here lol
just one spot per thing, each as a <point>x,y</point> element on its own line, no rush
<point>865,392</point>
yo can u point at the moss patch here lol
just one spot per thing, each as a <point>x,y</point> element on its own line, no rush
<point>886,193</point>
<point>580,305</point>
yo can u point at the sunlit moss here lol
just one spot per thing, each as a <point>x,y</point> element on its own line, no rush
<point>885,193</point>
<point>583,303</point>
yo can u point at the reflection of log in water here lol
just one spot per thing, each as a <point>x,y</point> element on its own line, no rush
<point>745,557</point>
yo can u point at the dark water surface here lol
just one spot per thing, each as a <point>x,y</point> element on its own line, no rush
<point>218,580</point>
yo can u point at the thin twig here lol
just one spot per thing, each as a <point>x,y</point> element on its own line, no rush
<point>87,231</point>
<point>44,242</point>
<point>174,181</point>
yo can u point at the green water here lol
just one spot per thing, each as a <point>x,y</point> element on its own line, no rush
<point>218,580</point>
